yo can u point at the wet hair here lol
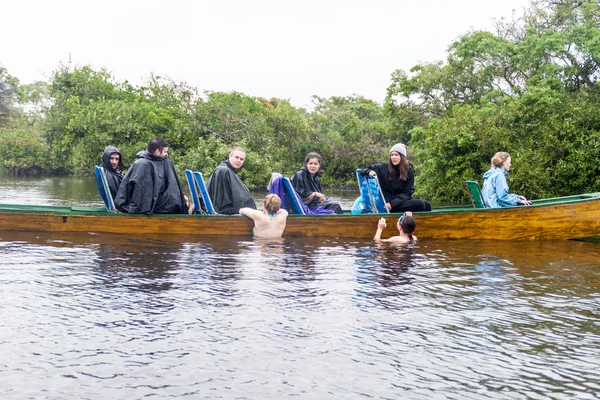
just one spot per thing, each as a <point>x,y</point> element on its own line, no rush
<point>157,143</point>
<point>499,159</point>
<point>272,203</point>
<point>312,155</point>
<point>408,225</point>
<point>237,148</point>
<point>402,168</point>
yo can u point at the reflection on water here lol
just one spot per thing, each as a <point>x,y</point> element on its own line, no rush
<point>56,190</point>
<point>107,316</point>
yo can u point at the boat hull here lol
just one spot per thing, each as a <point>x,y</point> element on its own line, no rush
<point>572,217</point>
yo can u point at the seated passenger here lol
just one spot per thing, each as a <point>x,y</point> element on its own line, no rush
<point>495,189</point>
<point>113,168</point>
<point>151,185</point>
<point>307,185</point>
<point>270,222</point>
<point>406,226</point>
<point>226,190</point>
<point>397,182</point>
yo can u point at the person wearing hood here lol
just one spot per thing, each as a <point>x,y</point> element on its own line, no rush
<point>151,185</point>
<point>397,181</point>
<point>112,162</point>
<point>227,192</point>
<point>307,185</point>
<point>495,189</point>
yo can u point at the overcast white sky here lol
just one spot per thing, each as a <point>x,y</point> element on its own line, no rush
<point>269,48</point>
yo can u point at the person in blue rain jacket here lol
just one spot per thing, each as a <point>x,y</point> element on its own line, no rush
<point>495,189</point>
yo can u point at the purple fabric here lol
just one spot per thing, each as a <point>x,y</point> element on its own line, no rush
<point>317,209</point>
<point>278,189</point>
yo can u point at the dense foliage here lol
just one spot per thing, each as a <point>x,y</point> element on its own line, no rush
<point>87,109</point>
<point>529,88</point>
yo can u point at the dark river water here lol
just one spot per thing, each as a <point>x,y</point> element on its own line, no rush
<point>101,316</point>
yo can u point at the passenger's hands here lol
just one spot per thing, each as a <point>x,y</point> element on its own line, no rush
<point>408,213</point>
<point>388,206</point>
<point>524,201</point>
<point>190,207</point>
<point>373,174</point>
<point>319,196</point>
<point>381,224</point>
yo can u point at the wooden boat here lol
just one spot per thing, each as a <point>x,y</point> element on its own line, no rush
<point>571,217</point>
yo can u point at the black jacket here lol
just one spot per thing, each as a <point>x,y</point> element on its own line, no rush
<point>305,184</point>
<point>395,191</point>
<point>151,186</point>
<point>227,192</point>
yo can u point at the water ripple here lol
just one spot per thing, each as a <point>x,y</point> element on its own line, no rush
<point>103,316</point>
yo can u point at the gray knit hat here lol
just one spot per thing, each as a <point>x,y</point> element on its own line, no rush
<point>399,148</point>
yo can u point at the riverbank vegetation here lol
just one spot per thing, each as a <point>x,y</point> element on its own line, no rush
<point>529,88</point>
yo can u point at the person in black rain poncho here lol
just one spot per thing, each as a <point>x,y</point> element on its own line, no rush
<point>307,185</point>
<point>112,162</point>
<point>397,181</point>
<point>151,185</point>
<point>226,190</point>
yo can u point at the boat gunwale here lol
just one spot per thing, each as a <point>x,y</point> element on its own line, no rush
<point>99,211</point>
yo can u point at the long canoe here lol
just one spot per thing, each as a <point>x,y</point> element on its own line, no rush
<point>571,217</point>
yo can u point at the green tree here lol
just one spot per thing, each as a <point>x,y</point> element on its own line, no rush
<point>350,133</point>
<point>7,89</point>
<point>90,111</point>
<point>530,89</point>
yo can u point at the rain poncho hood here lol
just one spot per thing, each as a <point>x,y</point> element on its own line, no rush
<point>495,189</point>
<point>227,192</point>
<point>113,176</point>
<point>151,186</point>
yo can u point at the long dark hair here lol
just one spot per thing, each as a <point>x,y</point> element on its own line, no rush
<point>402,167</point>
<point>408,225</point>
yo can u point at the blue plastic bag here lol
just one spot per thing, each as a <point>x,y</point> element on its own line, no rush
<point>358,207</point>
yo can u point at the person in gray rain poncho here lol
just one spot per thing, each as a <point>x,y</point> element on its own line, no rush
<point>226,190</point>
<point>151,185</point>
<point>112,162</point>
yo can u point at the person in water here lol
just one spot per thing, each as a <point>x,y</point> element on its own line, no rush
<point>151,185</point>
<point>226,190</point>
<point>406,226</point>
<point>495,189</point>
<point>397,182</point>
<point>113,169</point>
<point>307,185</point>
<point>270,221</point>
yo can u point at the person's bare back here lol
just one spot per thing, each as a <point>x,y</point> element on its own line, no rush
<point>269,222</point>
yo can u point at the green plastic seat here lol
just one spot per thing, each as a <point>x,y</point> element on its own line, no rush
<point>475,194</point>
